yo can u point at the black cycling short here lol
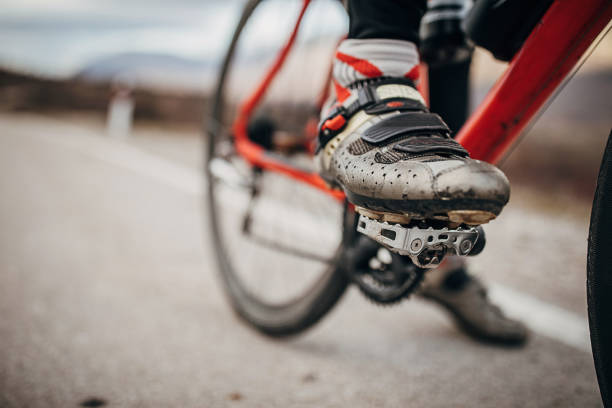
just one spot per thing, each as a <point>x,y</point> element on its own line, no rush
<point>395,19</point>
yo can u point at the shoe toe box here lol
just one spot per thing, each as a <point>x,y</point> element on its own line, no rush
<point>471,179</point>
<point>366,176</point>
<point>423,179</point>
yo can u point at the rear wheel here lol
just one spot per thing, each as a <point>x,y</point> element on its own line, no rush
<point>599,276</point>
<point>278,242</point>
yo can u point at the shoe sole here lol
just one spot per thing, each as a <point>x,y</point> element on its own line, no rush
<point>456,211</point>
<point>454,217</point>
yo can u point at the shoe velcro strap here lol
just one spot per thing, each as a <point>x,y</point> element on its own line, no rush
<point>428,144</point>
<point>395,104</point>
<point>405,124</point>
<point>392,97</point>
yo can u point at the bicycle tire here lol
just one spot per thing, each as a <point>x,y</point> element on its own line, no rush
<point>599,276</point>
<point>276,320</point>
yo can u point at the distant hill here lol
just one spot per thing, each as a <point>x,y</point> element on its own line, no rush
<point>146,69</point>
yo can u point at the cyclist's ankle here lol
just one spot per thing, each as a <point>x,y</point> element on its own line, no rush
<point>358,60</point>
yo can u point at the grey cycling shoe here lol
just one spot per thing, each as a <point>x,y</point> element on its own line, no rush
<point>396,161</point>
<point>471,308</point>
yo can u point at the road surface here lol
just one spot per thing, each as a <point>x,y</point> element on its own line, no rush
<point>108,296</point>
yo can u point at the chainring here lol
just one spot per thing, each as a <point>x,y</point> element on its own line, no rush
<point>383,281</point>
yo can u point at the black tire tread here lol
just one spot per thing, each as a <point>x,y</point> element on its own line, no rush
<point>599,276</point>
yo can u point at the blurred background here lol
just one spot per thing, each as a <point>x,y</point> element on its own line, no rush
<point>107,287</point>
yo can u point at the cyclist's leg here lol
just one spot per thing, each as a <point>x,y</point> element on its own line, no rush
<point>381,145</point>
<point>382,42</point>
<point>398,20</point>
<point>452,285</point>
<point>371,24</point>
<point>465,297</point>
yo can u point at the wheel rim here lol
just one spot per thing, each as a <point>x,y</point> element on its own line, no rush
<point>290,247</point>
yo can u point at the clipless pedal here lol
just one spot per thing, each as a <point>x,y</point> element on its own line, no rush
<point>426,246</point>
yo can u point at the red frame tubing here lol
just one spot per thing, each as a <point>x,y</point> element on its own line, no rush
<point>254,153</point>
<point>554,47</point>
<point>423,83</point>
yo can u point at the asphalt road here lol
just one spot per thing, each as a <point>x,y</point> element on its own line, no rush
<point>108,292</point>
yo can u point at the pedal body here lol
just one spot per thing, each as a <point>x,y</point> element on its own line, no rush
<point>426,247</point>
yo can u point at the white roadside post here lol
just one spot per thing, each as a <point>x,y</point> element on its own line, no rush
<point>120,111</point>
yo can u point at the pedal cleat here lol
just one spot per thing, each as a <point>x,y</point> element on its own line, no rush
<point>426,247</point>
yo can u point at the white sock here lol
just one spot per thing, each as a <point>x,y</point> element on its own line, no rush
<point>371,58</point>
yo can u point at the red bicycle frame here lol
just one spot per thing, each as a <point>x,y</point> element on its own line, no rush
<point>554,47</point>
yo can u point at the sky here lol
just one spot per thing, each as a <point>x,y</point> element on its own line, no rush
<point>59,38</point>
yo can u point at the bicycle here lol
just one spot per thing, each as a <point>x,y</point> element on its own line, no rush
<point>261,183</point>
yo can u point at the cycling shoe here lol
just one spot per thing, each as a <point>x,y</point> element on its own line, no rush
<point>396,161</point>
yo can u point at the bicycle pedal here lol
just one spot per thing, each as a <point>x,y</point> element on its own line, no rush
<point>426,247</point>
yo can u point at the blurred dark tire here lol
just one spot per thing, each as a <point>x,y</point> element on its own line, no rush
<point>599,276</point>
